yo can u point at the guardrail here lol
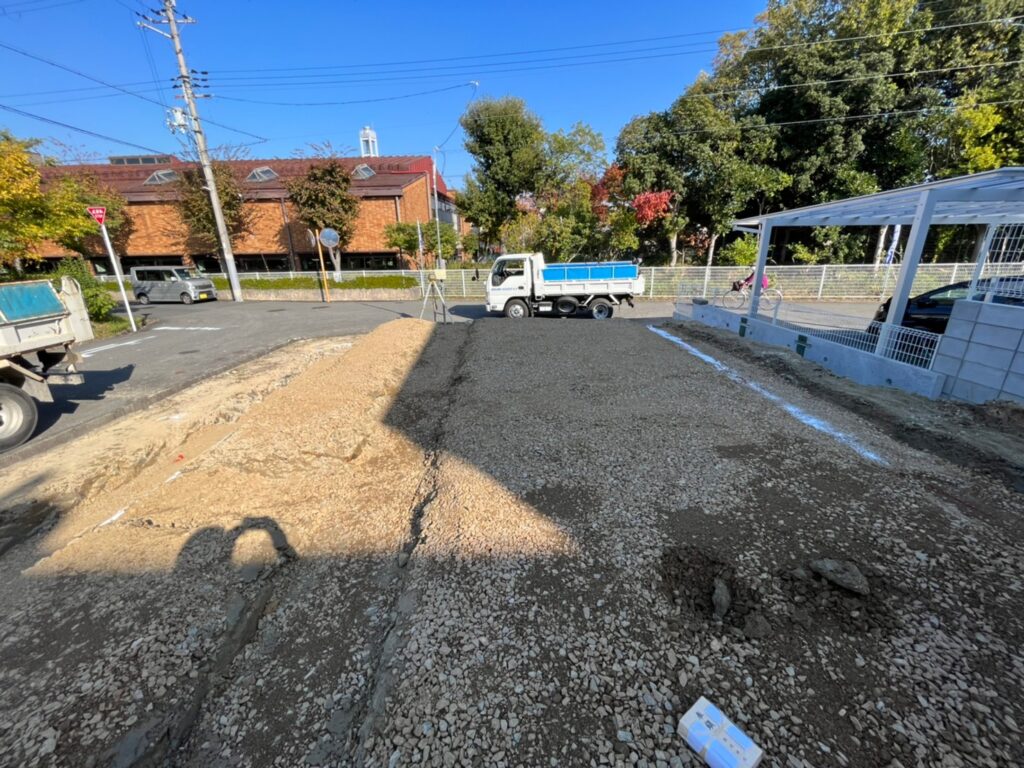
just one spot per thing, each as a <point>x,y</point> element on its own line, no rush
<point>819,282</point>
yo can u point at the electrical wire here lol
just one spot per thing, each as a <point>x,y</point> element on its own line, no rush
<point>517,69</point>
<point>910,73</point>
<point>125,91</point>
<point>842,118</point>
<point>342,103</point>
<point>572,48</point>
<point>6,10</point>
<point>75,128</point>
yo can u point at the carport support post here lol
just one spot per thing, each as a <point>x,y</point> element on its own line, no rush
<point>908,270</point>
<point>764,239</point>
<point>981,249</point>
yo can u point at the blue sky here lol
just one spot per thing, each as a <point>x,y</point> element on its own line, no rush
<point>568,59</point>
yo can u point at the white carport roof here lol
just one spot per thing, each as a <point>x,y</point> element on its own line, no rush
<point>991,197</point>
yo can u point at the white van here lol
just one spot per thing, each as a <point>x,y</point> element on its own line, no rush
<point>171,284</point>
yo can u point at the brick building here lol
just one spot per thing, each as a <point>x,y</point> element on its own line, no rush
<point>389,189</point>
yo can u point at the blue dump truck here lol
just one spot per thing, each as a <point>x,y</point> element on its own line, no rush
<point>38,328</point>
<point>521,285</point>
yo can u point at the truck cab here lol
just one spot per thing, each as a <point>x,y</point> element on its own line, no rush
<point>522,284</point>
<point>510,278</point>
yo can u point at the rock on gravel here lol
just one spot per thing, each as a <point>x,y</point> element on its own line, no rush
<point>842,573</point>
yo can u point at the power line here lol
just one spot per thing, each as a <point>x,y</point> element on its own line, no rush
<point>842,118</point>
<point>343,103</point>
<point>551,50</point>
<point>909,73</point>
<point>75,128</point>
<point>516,69</point>
<point>264,84</point>
<point>475,67</point>
<point>6,8</point>
<point>119,88</point>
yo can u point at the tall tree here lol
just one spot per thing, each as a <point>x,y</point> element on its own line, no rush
<point>196,210</point>
<point>567,224</point>
<point>648,153</point>
<point>31,213</point>
<point>405,236</point>
<point>85,190</point>
<point>322,200</point>
<point>506,142</point>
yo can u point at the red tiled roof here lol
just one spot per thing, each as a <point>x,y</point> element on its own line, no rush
<point>392,175</point>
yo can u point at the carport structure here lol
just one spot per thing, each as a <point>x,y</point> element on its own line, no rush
<point>989,200</point>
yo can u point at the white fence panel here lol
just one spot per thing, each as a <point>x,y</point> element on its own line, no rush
<point>825,282</point>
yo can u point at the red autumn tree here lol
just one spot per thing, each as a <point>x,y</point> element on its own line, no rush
<point>651,206</point>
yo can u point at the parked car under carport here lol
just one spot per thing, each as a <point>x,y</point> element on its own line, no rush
<point>930,311</point>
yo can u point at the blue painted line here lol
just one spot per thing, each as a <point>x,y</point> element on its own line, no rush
<point>797,413</point>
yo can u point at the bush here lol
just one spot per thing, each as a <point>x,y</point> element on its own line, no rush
<point>98,301</point>
<point>741,251</point>
<point>313,283</point>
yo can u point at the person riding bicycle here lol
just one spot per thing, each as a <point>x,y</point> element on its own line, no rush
<point>739,285</point>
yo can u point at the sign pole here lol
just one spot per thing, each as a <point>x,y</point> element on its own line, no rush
<point>99,214</point>
<point>323,269</point>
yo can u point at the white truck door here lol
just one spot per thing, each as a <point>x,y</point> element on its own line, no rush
<point>510,278</point>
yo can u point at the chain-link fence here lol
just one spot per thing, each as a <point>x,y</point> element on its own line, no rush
<point>819,282</point>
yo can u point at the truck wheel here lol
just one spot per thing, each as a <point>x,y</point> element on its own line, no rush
<point>566,306</point>
<point>142,298</point>
<point>516,309</point>
<point>601,309</point>
<point>186,298</point>
<point>18,416</point>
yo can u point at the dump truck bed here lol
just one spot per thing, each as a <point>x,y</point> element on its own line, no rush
<point>32,317</point>
<point>596,278</point>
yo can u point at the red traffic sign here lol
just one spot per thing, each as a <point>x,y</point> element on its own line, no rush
<point>98,212</point>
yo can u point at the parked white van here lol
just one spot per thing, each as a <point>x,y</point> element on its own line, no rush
<point>171,284</point>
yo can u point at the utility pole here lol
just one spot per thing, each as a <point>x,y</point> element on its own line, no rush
<point>200,138</point>
<point>437,209</point>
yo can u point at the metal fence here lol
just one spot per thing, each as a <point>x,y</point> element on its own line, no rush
<point>819,282</point>
<point>906,345</point>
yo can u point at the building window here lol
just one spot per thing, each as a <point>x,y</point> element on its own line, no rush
<point>162,177</point>
<point>363,171</point>
<point>140,159</point>
<point>263,173</point>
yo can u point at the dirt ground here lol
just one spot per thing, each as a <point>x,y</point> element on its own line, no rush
<point>508,544</point>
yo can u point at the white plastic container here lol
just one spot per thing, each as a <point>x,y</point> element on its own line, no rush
<point>718,741</point>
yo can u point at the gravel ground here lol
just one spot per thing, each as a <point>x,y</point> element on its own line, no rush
<point>515,544</point>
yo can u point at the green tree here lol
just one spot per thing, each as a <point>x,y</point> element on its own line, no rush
<point>322,200</point>
<point>506,142</point>
<point>196,210</point>
<point>469,244</point>
<point>83,191</point>
<point>31,214</point>
<point>647,150</point>
<point>404,237</point>
<point>741,251</point>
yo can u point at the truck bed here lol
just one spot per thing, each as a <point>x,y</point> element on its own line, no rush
<point>597,278</point>
<point>32,317</point>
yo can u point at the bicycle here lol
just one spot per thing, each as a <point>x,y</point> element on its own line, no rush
<point>737,298</point>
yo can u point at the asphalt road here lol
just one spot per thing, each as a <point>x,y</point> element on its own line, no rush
<point>185,344</point>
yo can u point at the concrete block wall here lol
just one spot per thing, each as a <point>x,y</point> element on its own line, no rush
<point>982,352</point>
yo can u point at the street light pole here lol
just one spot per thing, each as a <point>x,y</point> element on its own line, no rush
<point>204,155</point>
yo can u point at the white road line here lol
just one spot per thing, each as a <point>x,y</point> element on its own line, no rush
<point>133,342</point>
<point>797,413</point>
